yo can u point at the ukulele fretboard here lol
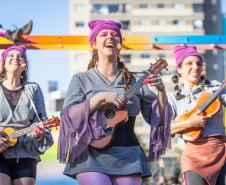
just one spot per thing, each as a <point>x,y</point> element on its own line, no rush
<point>137,85</point>
<point>24,131</point>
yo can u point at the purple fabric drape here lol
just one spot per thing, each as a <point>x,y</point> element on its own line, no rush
<point>160,138</point>
<point>77,129</point>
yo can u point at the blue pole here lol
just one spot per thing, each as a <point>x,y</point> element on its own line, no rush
<point>224,33</point>
<point>224,23</point>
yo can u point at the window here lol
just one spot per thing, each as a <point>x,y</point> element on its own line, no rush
<point>162,55</point>
<point>79,24</point>
<point>214,18</point>
<point>179,22</point>
<point>144,5</point>
<point>80,57</point>
<point>198,24</point>
<point>161,5</point>
<point>197,8</point>
<point>145,55</point>
<point>79,7</point>
<point>108,8</point>
<point>145,22</point>
<point>125,25</point>
<point>161,22</point>
<point>178,5</point>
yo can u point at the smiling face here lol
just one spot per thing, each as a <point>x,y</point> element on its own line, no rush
<point>107,43</point>
<point>191,69</point>
<point>15,62</point>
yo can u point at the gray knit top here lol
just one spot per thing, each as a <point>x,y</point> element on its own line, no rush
<point>22,117</point>
<point>117,160</point>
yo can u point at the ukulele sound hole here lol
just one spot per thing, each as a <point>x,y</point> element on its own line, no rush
<point>5,136</point>
<point>109,113</point>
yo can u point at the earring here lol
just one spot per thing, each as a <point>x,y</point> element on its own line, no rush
<point>203,73</point>
<point>119,46</point>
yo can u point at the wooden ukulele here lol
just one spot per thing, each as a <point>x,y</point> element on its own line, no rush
<point>12,135</point>
<point>208,104</point>
<point>112,117</point>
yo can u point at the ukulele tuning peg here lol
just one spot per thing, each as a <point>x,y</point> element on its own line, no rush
<point>161,74</point>
<point>166,69</point>
<point>56,128</point>
<point>151,64</point>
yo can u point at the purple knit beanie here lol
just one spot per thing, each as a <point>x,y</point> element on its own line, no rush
<point>182,52</point>
<point>21,49</point>
<point>98,25</point>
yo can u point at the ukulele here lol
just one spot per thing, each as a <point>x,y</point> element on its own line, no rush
<point>112,117</point>
<point>12,135</point>
<point>208,104</point>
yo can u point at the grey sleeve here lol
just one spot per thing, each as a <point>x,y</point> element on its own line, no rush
<point>37,147</point>
<point>146,102</point>
<point>75,94</point>
<point>39,104</point>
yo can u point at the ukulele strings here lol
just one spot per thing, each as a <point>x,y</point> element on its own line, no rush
<point>129,92</point>
<point>131,89</point>
<point>111,113</point>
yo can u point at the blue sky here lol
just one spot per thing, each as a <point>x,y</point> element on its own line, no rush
<point>50,17</point>
<point>223,6</point>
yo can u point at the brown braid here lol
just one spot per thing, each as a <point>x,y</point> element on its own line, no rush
<point>92,62</point>
<point>126,75</point>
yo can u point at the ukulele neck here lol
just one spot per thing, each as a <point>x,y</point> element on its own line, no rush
<point>135,88</point>
<point>24,131</point>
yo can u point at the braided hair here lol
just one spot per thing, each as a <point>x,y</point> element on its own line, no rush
<point>126,75</point>
<point>175,80</point>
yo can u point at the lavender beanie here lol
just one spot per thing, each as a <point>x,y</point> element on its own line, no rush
<point>98,25</point>
<point>182,52</point>
<point>21,49</point>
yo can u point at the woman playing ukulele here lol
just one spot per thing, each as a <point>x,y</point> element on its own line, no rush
<point>19,100</point>
<point>106,80</point>
<point>203,160</point>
